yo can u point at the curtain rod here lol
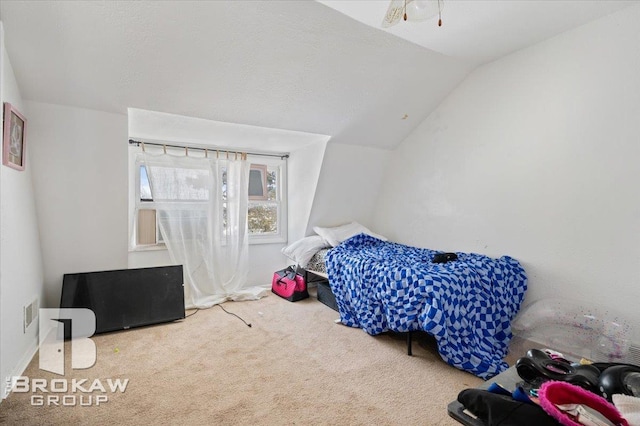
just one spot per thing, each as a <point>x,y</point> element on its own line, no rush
<point>138,143</point>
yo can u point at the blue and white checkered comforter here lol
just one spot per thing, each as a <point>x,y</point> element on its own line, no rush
<point>467,304</point>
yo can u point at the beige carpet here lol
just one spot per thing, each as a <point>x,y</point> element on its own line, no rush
<point>293,366</point>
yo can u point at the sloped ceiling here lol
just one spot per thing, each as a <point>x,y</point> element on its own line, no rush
<point>295,65</point>
<point>479,31</point>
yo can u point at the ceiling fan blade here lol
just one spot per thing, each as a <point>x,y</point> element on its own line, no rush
<point>394,13</point>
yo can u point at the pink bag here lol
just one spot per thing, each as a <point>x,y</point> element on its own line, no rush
<point>289,284</point>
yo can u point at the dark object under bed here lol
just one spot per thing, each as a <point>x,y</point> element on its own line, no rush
<point>326,296</point>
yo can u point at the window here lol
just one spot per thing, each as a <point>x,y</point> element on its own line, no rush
<point>147,232</point>
<point>265,216</point>
<point>267,209</point>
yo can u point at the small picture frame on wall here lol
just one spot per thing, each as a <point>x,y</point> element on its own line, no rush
<point>13,146</point>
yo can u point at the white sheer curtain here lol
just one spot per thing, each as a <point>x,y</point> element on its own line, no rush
<point>201,206</point>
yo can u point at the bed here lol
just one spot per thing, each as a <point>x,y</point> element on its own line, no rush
<point>466,304</point>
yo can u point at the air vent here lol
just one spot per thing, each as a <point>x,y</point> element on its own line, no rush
<point>30,314</point>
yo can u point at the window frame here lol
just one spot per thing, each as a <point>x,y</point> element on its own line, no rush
<point>280,163</point>
<point>281,200</point>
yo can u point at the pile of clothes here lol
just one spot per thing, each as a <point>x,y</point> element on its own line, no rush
<point>555,391</point>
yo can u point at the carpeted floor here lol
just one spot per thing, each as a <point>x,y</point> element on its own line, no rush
<point>293,366</point>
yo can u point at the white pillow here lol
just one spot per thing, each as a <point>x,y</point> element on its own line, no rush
<point>303,250</point>
<point>338,234</point>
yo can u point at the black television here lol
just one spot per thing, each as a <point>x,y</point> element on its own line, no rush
<point>126,298</point>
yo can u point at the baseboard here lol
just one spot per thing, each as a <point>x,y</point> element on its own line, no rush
<point>20,368</point>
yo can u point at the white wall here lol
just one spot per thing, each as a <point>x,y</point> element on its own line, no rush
<point>349,184</point>
<point>304,167</point>
<point>535,156</point>
<point>20,258</point>
<point>81,189</point>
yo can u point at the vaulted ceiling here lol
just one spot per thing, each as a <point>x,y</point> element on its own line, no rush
<point>320,67</point>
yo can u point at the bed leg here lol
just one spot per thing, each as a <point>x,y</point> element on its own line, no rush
<point>409,343</point>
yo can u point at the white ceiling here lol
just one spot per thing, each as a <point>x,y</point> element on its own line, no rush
<point>295,65</point>
<point>481,31</point>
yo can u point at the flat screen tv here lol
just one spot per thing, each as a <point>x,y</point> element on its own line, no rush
<point>126,298</point>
